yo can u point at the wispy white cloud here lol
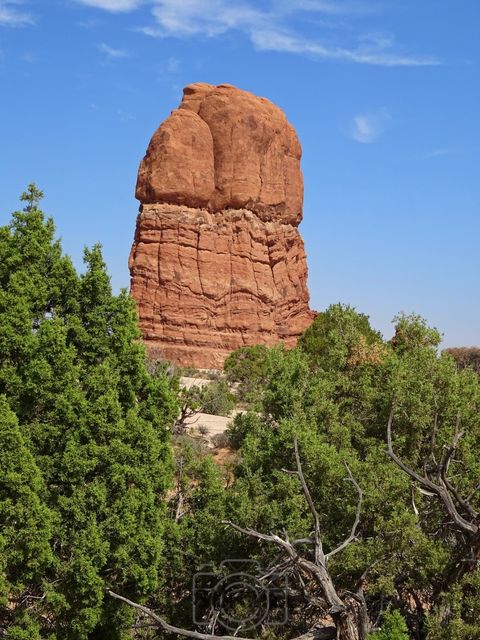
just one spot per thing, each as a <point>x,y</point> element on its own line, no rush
<point>277,40</point>
<point>437,153</point>
<point>29,57</point>
<point>329,7</point>
<point>169,67</point>
<point>172,65</point>
<point>125,116</point>
<point>367,128</point>
<point>270,30</point>
<point>206,17</point>
<point>91,23</point>
<point>12,16</point>
<point>111,53</point>
<point>115,6</point>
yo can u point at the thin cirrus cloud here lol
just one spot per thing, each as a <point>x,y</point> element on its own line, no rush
<point>439,153</point>
<point>367,128</point>
<point>268,30</point>
<point>111,53</point>
<point>270,40</point>
<point>115,6</point>
<point>12,16</point>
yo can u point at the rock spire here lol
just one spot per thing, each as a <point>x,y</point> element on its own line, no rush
<point>218,261</point>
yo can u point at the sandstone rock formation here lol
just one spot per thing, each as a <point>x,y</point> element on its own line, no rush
<point>218,261</point>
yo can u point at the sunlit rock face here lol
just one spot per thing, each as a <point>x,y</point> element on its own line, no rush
<point>217,261</point>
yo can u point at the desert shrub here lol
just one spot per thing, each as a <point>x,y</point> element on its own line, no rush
<point>190,372</point>
<point>213,374</point>
<point>220,440</point>
<point>243,424</point>
<point>203,430</point>
<point>249,367</point>
<point>217,399</point>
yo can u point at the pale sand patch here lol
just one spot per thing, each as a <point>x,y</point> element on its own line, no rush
<point>187,382</point>
<point>214,424</point>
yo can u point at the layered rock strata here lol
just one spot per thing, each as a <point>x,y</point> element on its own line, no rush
<point>217,261</point>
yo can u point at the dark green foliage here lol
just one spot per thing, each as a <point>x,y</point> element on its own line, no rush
<point>457,616</point>
<point>340,337</point>
<point>214,398</point>
<point>412,332</point>
<point>195,535</point>
<point>334,394</point>
<point>218,400</point>
<point>85,444</point>
<point>92,497</point>
<point>393,627</point>
<point>32,196</point>
<point>249,368</point>
<point>26,528</point>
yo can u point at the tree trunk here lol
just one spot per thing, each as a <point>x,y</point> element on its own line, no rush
<point>352,623</point>
<point>467,560</point>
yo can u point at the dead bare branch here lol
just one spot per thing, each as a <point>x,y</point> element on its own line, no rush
<point>317,633</point>
<point>433,438</point>
<point>440,490</point>
<point>349,613</point>
<point>179,511</point>
<point>443,470</point>
<point>470,496</point>
<point>353,532</point>
<point>318,549</point>
<point>272,538</point>
<point>165,626</point>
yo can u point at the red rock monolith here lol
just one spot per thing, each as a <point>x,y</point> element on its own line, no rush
<point>217,261</point>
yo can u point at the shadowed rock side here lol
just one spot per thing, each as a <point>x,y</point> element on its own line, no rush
<point>217,261</point>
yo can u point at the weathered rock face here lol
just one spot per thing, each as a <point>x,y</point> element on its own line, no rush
<point>218,262</point>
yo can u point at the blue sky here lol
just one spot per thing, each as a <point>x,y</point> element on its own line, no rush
<point>384,94</point>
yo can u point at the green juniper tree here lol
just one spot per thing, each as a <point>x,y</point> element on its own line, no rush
<point>32,196</point>
<point>90,497</point>
<point>26,532</point>
<point>335,394</point>
<point>95,426</point>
